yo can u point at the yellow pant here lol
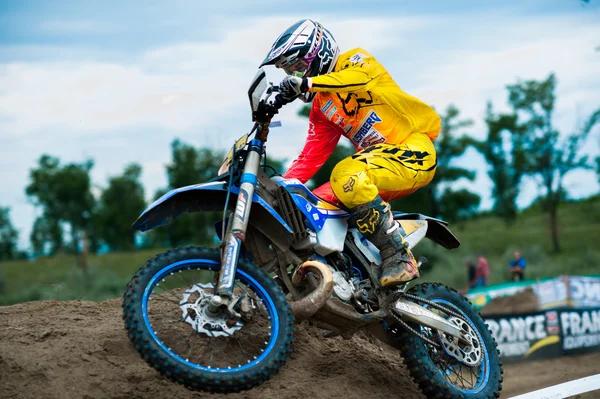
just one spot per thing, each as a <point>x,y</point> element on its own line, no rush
<point>390,170</point>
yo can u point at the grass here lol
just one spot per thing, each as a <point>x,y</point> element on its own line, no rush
<point>579,225</point>
<point>58,277</point>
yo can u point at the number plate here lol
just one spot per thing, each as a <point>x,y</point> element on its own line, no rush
<point>239,144</point>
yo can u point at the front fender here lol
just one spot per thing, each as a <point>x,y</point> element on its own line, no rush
<point>207,197</point>
<point>181,200</point>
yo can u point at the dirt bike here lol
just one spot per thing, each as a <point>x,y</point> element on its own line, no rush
<point>222,319</point>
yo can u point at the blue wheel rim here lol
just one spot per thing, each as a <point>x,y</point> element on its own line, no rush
<point>484,372</point>
<point>209,264</point>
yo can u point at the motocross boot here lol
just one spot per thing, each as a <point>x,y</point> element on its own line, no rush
<point>376,223</point>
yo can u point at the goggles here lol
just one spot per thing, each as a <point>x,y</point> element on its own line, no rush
<point>297,68</point>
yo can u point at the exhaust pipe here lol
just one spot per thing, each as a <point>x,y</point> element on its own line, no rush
<point>310,304</point>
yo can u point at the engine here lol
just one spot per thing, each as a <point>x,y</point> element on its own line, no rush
<point>342,287</point>
<point>350,287</point>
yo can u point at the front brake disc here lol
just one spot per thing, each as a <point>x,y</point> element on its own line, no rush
<point>195,313</point>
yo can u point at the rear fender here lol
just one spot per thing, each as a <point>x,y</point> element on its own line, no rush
<point>437,230</point>
<point>210,197</point>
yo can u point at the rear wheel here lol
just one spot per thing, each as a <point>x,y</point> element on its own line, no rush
<point>170,323</point>
<point>444,368</point>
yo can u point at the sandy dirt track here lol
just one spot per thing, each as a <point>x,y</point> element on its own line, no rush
<point>76,349</point>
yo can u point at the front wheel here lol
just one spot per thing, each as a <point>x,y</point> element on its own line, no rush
<point>168,317</point>
<point>441,367</point>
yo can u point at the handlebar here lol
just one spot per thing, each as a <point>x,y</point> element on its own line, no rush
<point>268,106</point>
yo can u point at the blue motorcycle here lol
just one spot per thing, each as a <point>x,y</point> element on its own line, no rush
<point>222,319</point>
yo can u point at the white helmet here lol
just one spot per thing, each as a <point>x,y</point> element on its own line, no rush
<point>305,49</point>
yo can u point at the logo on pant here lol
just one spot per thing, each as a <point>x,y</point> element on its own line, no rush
<point>367,224</point>
<point>349,185</point>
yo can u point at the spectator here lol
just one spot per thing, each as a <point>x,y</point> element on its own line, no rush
<point>482,271</point>
<point>517,267</point>
<point>470,273</point>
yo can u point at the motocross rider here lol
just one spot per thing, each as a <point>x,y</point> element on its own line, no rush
<point>355,97</point>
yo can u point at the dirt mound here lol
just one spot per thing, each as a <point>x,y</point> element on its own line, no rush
<point>76,349</point>
<point>523,302</point>
<point>52,349</point>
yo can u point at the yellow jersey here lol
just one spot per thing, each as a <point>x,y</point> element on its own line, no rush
<point>362,99</point>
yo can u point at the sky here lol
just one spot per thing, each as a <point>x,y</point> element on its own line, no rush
<point>118,81</point>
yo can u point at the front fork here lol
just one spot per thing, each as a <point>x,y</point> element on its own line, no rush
<point>236,231</point>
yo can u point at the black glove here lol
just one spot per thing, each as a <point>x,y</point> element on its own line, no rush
<point>267,110</point>
<point>291,87</point>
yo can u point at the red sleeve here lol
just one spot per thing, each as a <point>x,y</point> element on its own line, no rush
<point>321,141</point>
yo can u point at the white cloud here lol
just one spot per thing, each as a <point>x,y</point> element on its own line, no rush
<point>175,87</point>
<point>469,77</point>
<point>78,96</point>
<point>76,26</point>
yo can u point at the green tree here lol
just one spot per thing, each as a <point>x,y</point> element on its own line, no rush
<point>305,110</point>
<point>8,236</point>
<point>277,165</point>
<point>120,204</point>
<point>449,147</point>
<point>189,166</point>
<point>505,152</point>
<point>63,192</point>
<point>192,166</point>
<point>419,202</point>
<point>458,204</point>
<point>594,119</point>
<point>46,236</point>
<point>551,157</point>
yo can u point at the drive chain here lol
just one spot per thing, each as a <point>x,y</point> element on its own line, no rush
<point>437,306</point>
<point>415,332</point>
